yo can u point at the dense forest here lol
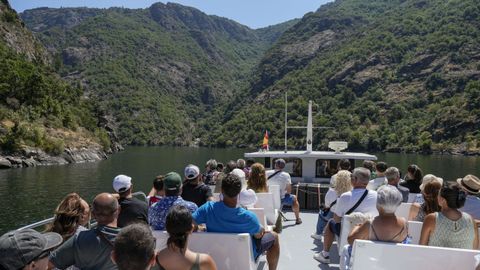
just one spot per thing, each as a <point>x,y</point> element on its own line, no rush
<point>392,75</point>
<point>397,75</point>
<point>37,108</point>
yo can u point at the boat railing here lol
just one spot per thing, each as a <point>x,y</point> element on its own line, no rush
<point>91,224</point>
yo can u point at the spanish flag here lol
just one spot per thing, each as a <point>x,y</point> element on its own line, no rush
<point>265,141</point>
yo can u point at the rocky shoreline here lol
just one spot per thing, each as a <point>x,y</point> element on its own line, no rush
<point>32,157</point>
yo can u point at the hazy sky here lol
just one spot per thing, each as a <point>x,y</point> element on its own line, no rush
<point>253,13</point>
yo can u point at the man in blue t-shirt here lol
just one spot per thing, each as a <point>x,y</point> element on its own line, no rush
<point>226,217</point>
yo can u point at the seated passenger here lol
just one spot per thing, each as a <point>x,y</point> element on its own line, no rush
<point>360,199</point>
<point>471,185</point>
<point>450,227</point>
<point>194,189</point>
<point>231,165</point>
<point>71,216</point>
<point>342,185</point>
<point>425,180</point>
<point>430,204</point>
<point>258,179</point>
<point>226,217</point>
<point>132,210</point>
<point>157,192</point>
<point>385,227</point>
<point>380,180</point>
<point>413,179</point>
<point>210,173</point>
<point>176,255</point>
<point>173,188</point>
<point>134,248</point>
<point>280,178</point>
<point>91,249</point>
<point>370,165</point>
<point>393,179</point>
<point>27,249</point>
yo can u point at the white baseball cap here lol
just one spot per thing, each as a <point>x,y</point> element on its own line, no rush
<point>191,171</point>
<point>122,183</point>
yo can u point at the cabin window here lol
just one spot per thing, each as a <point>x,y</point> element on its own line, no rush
<point>267,163</point>
<point>325,168</point>
<point>293,166</point>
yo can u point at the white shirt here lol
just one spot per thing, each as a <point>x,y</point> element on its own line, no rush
<point>281,179</point>
<point>330,197</point>
<point>376,183</point>
<point>348,199</point>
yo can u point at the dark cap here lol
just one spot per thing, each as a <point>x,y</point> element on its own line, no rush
<point>172,181</point>
<point>19,248</point>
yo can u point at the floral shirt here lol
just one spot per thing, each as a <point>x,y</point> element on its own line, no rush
<point>157,213</point>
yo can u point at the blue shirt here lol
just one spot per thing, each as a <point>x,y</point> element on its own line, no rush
<point>220,218</point>
<point>157,213</point>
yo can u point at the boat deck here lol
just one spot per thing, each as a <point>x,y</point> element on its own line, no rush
<point>297,247</point>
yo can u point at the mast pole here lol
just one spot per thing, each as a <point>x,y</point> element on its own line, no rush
<point>285,150</point>
<point>309,128</point>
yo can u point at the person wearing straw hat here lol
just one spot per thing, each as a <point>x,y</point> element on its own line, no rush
<point>471,184</point>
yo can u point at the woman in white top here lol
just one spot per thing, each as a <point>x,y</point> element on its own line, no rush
<point>341,185</point>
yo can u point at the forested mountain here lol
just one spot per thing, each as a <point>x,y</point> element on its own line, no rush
<point>385,75</point>
<point>158,72</point>
<point>38,111</point>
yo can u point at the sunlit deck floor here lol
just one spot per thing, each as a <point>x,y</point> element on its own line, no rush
<point>297,247</point>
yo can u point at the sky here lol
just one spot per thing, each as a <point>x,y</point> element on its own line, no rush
<point>253,13</point>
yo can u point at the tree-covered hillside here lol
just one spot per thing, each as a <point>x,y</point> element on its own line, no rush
<point>37,108</point>
<point>385,75</point>
<point>158,72</point>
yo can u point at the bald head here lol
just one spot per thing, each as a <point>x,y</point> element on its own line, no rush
<point>105,208</point>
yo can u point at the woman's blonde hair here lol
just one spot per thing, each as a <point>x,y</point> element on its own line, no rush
<point>257,179</point>
<point>342,182</point>
<point>68,216</point>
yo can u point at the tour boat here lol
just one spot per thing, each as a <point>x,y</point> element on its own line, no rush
<point>310,166</point>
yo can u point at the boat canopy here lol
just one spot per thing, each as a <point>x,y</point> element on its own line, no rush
<point>312,154</point>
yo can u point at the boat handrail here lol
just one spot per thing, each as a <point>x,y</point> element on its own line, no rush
<point>91,224</point>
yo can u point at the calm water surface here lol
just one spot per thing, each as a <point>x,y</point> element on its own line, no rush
<point>31,194</point>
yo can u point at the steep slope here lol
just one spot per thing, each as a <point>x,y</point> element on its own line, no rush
<point>43,120</point>
<point>158,71</point>
<point>385,75</point>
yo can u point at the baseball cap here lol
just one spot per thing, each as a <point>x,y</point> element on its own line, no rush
<point>172,181</point>
<point>122,183</point>
<point>191,171</point>
<point>19,248</point>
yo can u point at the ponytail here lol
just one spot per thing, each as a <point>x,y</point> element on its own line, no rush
<point>178,240</point>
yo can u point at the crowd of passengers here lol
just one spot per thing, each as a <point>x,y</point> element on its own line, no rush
<point>123,237</point>
<point>371,194</point>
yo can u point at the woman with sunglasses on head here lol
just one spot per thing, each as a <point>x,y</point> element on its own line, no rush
<point>450,227</point>
<point>177,256</point>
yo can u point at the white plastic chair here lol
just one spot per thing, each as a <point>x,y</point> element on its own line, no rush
<point>414,231</point>
<point>266,201</point>
<point>403,210</point>
<point>381,255</point>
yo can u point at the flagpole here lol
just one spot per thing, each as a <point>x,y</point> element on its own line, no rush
<point>285,122</point>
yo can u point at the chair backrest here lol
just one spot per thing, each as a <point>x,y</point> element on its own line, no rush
<point>275,190</point>
<point>266,201</point>
<point>414,231</point>
<point>380,255</point>
<point>412,197</point>
<point>403,210</point>
<point>260,213</point>
<point>344,232</point>
<point>229,251</point>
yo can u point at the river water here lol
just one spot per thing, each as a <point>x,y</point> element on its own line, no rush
<point>31,194</point>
